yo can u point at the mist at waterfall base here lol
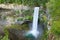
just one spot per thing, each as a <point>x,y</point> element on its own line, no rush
<point>34,31</point>
<point>30,34</point>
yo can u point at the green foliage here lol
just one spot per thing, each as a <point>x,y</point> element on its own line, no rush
<point>28,14</point>
<point>54,9</point>
<point>20,19</point>
<point>0,37</point>
<point>56,27</point>
<point>17,12</point>
<point>11,1</point>
<point>26,2</point>
<point>20,27</point>
<point>29,18</point>
<point>44,37</point>
<point>34,2</point>
<point>6,35</point>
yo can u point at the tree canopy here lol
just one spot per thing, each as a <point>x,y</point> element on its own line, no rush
<point>26,2</point>
<point>54,10</point>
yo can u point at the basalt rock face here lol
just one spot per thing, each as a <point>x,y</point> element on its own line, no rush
<point>15,34</point>
<point>2,34</point>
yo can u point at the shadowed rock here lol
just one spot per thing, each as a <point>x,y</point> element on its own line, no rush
<point>15,34</point>
<point>4,10</point>
<point>23,22</point>
<point>1,33</point>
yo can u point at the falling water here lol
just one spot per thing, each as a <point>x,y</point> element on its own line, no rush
<point>34,30</point>
<point>35,18</point>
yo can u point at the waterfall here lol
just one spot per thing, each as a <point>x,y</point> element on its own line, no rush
<point>34,32</point>
<point>35,18</point>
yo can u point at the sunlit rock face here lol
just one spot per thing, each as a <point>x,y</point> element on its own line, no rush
<point>10,21</point>
<point>14,6</point>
